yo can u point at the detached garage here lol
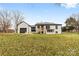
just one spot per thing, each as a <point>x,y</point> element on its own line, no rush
<point>23,27</point>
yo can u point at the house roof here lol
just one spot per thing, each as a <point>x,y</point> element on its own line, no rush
<point>24,22</point>
<point>32,25</point>
<point>40,23</point>
<point>46,23</point>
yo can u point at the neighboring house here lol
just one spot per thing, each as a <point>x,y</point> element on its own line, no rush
<point>41,28</point>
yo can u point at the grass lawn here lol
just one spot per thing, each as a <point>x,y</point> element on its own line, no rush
<point>66,44</point>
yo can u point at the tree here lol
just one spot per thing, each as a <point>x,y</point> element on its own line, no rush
<point>18,17</point>
<point>70,23</point>
<point>63,28</point>
<point>76,16</point>
<point>70,28</point>
<point>5,19</point>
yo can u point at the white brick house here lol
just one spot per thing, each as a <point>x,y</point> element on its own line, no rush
<point>42,28</point>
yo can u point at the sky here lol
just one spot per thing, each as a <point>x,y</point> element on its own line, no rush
<point>43,12</point>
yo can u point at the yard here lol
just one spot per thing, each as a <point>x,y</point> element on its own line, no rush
<point>66,44</point>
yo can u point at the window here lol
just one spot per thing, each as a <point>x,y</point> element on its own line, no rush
<point>51,30</point>
<point>33,29</point>
<point>56,27</point>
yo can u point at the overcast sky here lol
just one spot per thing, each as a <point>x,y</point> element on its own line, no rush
<point>43,12</point>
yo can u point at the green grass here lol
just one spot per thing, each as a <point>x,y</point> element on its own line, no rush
<point>66,44</point>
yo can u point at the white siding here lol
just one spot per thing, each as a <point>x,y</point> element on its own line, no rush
<point>54,28</point>
<point>24,25</point>
<point>59,29</point>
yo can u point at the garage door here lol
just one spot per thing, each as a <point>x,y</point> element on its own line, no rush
<point>23,30</point>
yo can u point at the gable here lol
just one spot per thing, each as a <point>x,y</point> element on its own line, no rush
<point>23,25</point>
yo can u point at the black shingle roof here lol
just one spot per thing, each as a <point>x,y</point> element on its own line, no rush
<point>46,23</point>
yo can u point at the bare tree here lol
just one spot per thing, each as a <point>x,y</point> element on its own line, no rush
<point>5,19</point>
<point>6,16</point>
<point>18,17</point>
